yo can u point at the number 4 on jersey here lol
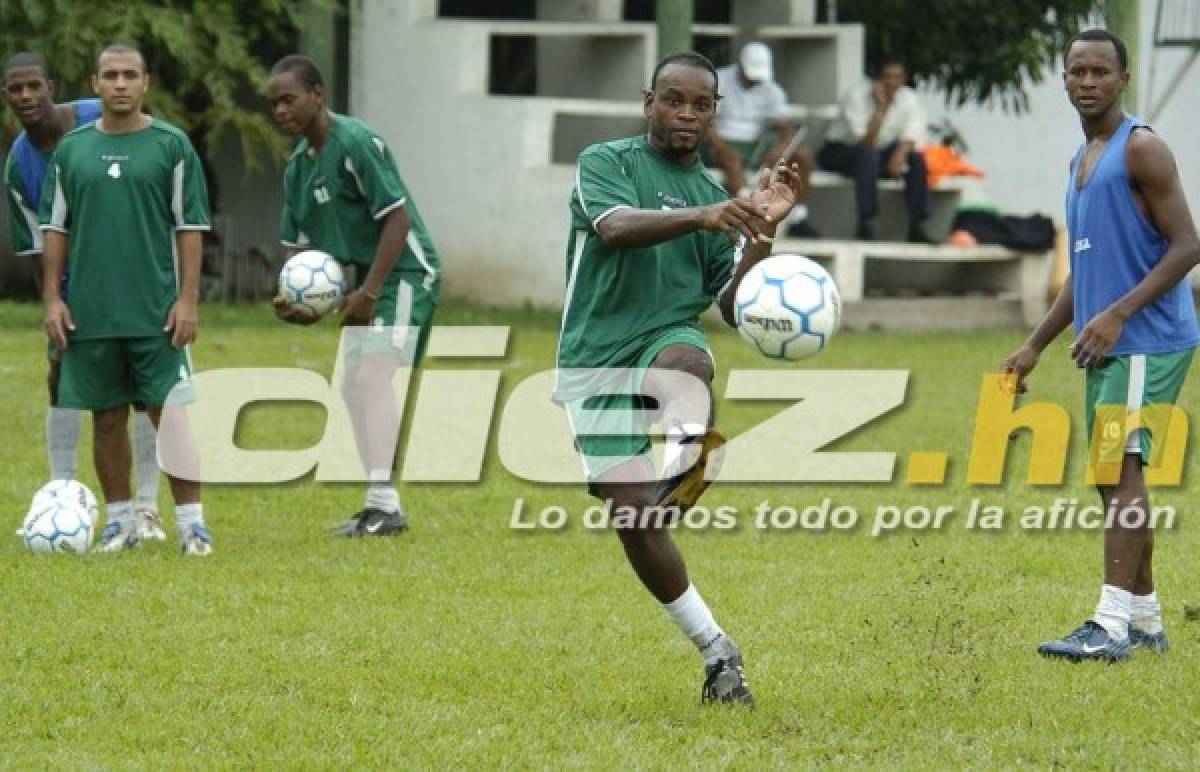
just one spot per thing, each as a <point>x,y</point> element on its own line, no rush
<point>114,171</point>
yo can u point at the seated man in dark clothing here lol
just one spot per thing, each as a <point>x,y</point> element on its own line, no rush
<point>876,134</point>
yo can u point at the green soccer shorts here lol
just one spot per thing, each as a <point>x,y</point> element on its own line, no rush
<point>607,431</point>
<point>403,319</point>
<point>1123,386</point>
<point>108,373</point>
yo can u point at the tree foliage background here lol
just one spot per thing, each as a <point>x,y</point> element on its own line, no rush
<point>973,50</point>
<point>207,58</point>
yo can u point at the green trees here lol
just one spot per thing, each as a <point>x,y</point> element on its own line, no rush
<point>207,58</point>
<point>974,50</point>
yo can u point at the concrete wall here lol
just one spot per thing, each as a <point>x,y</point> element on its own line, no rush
<point>1025,156</point>
<point>477,166</point>
<point>480,168</point>
<point>249,200</point>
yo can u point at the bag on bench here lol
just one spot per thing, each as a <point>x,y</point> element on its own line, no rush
<point>1034,233</point>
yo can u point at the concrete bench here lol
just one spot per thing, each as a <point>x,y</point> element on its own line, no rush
<point>899,286</point>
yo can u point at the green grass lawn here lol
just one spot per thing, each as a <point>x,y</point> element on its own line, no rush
<point>465,643</point>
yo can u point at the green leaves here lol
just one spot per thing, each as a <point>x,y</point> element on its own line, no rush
<point>207,59</point>
<point>973,50</point>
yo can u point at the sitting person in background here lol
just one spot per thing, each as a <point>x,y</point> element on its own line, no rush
<point>877,133</point>
<point>753,107</point>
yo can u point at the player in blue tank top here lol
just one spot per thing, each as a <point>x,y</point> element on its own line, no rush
<point>1132,244</point>
<point>29,92</point>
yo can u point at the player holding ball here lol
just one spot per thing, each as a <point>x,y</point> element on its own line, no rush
<point>343,195</point>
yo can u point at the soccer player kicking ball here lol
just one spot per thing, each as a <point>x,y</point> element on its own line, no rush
<point>654,241</point>
<point>123,208</point>
<point>1132,245</point>
<point>343,195</point>
<point>30,93</point>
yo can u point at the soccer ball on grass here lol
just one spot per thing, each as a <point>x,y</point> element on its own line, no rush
<point>61,518</point>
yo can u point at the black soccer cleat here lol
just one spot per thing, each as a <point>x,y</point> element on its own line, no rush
<point>373,522</point>
<point>725,682</point>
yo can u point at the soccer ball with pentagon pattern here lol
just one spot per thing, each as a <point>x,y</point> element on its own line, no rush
<point>313,282</point>
<point>61,518</point>
<point>787,307</point>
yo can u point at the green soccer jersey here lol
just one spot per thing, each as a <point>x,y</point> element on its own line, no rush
<point>336,199</point>
<point>122,198</point>
<point>24,173</point>
<point>22,212</point>
<point>619,299</point>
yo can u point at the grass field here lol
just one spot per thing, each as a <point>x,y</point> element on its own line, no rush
<point>465,643</point>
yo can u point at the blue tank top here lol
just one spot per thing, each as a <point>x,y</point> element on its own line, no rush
<point>30,161</point>
<point>1113,247</point>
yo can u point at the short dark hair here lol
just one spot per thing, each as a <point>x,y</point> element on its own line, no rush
<point>26,59</point>
<point>1100,35</point>
<point>302,67</point>
<point>121,48</point>
<point>689,58</point>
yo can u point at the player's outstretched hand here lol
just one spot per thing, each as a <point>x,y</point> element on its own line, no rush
<point>183,322</point>
<point>58,321</point>
<point>286,313</point>
<point>1016,367</point>
<point>359,310</point>
<point>736,218</point>
<point>778,190</point>
<point>1097,338</point>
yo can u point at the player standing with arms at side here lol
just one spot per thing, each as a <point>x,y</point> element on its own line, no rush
<point>654,242</point>
<point>30,93</point>
<point>344,196</point>
<point>123,207</point>
<point>1133,243</point>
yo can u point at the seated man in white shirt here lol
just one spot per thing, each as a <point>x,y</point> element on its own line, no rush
<point>877,132</point>
<point>753,106</point>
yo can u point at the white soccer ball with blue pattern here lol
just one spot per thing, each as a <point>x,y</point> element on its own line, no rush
<point>61,518</point>
<point>313,282</point>
<point>788,307</point>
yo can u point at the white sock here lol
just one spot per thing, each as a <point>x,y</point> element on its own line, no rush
<point>145,450</point>
<point>682,449</point>
<point>1146,614</point>
<point>62,442</point>
<point>381,494</point>
<point>1114,611</point>
<point>187,515</point>
<point>690,614</point>
<point>120,512</point>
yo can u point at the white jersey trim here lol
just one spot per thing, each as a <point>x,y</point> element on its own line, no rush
<point>607,212</point>
<point>31,222</point>
<point>389,208</point>
<point>581,237</point>
<point>419,252</point>
<point>58,212</point>
<point>1134,398</point>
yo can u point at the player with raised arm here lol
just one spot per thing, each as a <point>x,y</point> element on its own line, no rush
<point>123,207</point>
<point>1133,243</point>
<point>30,93</point>
<point>654,241</point>
<point>344,196</point>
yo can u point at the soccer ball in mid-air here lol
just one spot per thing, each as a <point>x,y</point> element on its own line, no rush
<point>787,307</point>
<point>313,282</point>
<point>61,518</point>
